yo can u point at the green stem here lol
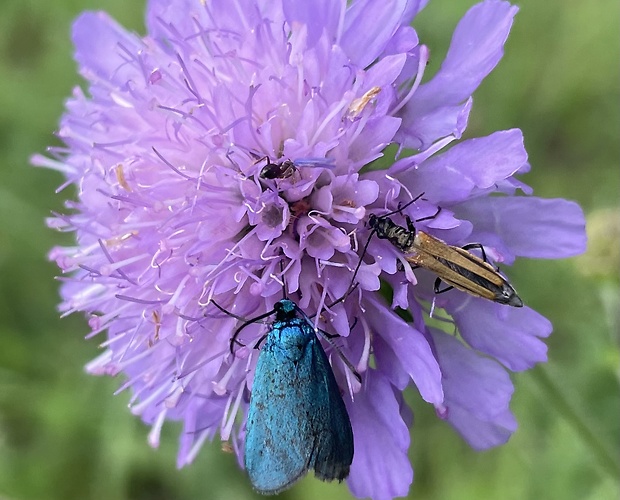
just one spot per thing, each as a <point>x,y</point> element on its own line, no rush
<point>605,457</point>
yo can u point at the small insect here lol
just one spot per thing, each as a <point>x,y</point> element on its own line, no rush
<point>120,177</point>
<point>297,418</point>
<point>281,170</point>
<point>227,447</point>
<point>358,105</point>
<point>454,265</point>
<point>286,168</point>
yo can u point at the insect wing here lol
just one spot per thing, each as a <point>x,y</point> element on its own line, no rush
<point>462,269</point>
<point>315,163</point>
<point>297,419</point>
<point>331,426</point>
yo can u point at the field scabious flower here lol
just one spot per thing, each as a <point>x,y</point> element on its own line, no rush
<point>166,149</point>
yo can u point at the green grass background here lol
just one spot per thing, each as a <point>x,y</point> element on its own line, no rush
<point>63,435</point>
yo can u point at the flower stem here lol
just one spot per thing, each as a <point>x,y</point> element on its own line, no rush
<point>554,395</point>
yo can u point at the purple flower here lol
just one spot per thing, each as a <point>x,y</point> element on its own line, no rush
<point>166,148</point>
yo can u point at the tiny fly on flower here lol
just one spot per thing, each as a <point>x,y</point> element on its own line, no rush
<point>456,266</point>
<point>286,168</point>
<point>281,170</point>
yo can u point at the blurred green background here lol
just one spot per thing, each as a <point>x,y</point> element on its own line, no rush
<point>63,435</point>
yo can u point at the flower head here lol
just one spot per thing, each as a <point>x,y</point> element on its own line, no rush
<point>166,150</point>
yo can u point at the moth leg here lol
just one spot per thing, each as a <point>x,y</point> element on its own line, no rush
<point>328,335</point>
<point>334,335</point>
<point>341,299</point>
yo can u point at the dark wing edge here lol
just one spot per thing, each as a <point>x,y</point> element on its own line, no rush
<point>333,451</point>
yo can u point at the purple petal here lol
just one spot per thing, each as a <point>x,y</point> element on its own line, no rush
<point>410,347</point>
<point>403,41</point>
<point>439,122</point>
<point>180,15</point>
<point>99,43</point>
<point>476,48</point>
<point>477,393</point>
<point>318,16</point>
<point>527,226</point>
<point>378,134</point>
<point>509,334</point>
<point>184,19</point>
<point>472,164</point>
<point>369,26</point>
<point>201,416</point>
<point>380,468</point>
<point>322,240</point>
<point>385,71</point>
<point>482,435</point>
<point>387,360</point>
<point>414,7</point>
<point>345,198</point>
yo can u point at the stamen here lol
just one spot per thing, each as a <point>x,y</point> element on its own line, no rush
<point>227,428</point>
<point>155,433</point>
<point>120,177</point>
<point>422,61</point>
<point>219,388</point>
<point>107,269</point>
<point>169,307</point>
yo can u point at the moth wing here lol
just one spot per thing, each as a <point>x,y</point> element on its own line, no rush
<point>276,455</point>
<point>297,419</point>
<point>330,424</point>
